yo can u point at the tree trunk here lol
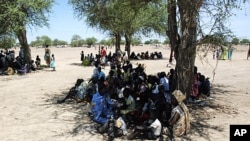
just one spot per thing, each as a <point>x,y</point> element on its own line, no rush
<point>21,35</point>
<point>117,42</point>
<point>128,44</point>
<point>186,52</point>
<point>172,31</point>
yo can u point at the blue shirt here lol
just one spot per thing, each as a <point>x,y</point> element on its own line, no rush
<point>101,74</point>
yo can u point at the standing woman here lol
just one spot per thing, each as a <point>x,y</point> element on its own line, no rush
<point>53,63</point>
<point>47,55</point>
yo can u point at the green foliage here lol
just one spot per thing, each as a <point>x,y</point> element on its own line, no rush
<point>46,40</point>
<point>77,41</point>
<point>91,41</point>
<point>235,41</point>
<point>57,42</point>
<point>7,41</point>
<point>16,14</point>
<point>108,42</point>
<point>41,41</point>
<point>122,17</point>
<point>136,41</point>
<point>166,41</point>
<point>245,41</point>
<point>152,41</point>
<point>148,42</point>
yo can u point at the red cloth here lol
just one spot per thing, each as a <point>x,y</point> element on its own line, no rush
<point>103,53</point>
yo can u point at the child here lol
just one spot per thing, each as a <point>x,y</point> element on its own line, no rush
<point>53,63</point>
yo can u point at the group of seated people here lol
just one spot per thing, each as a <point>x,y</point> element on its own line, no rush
<point>10,65</point>
<point>146,55</point>
<point>90,59</point>
<point>200,87</point>
<point>128,98</point>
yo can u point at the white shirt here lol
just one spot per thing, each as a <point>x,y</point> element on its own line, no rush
<point>156,127</point>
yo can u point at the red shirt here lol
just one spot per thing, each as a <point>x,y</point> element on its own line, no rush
<point>103,53</point>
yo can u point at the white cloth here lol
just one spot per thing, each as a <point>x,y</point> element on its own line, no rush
<point>156,127</point>
<point>122,125</point>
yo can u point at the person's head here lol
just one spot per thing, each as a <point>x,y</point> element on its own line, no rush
<point>126,92</point>
<point>96,64</point>
<point>152,113</point>
<point>178,97</point>
<point>161,89</point>
<point>172,71</point>
<point>99,69</point>
<point>111,73</point>
<point>79,82</point>
<point>103,89</point>
<point>162,74</point>
<point>47,46</point>
<point>195,69</point>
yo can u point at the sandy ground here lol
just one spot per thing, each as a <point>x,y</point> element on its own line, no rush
<point>28,109</point>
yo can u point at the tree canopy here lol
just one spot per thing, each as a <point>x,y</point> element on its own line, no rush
<point>17,15</point>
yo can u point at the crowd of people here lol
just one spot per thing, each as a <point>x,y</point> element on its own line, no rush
<point>103,58</point>
<point>146,55</point>
<point>11,64</point>
<point>223,53</point>
<point>128,102</point>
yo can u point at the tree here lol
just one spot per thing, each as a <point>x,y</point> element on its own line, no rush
<point>91,41</point>
<point>77,41</point>
<point>121,18</point>
<point>46,40</point>
<point>136,41</point>
<point>235,41</point>
<point>245,41</point>
<point>183,34</point>
<point>57,42</point>
<point>17,15</point>
<point>37,42</point>
<point>7,41</point>
<point>166,41</point>
<point>99,15</point>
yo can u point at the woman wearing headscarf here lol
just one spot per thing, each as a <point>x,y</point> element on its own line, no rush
<point>47,55</point>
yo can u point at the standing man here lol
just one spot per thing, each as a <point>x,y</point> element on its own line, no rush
<point>103,54</point>
<point>82,56</point>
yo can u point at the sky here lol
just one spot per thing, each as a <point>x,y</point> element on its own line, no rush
<point>64,24</point>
